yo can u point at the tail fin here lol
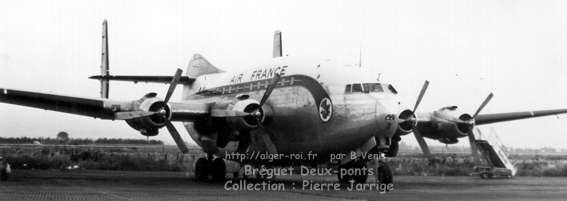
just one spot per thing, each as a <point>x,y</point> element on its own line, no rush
<point>200,66</point>
<point>277,45</point>
<point>104,65</point>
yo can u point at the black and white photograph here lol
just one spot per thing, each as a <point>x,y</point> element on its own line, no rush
<point>283,100</point>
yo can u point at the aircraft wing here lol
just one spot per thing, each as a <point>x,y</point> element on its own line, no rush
<point>500,117</point>
<point>108,109</point>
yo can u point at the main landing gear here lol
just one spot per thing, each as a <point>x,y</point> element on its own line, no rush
<point>205,167</point>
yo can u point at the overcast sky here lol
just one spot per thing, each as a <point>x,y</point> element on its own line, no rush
<point>467,49</point>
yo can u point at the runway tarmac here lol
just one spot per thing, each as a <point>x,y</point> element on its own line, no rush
<point>117,185</point>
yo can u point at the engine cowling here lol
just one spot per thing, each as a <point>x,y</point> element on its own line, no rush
<point>149,126</point>
<point>248,122</point>
<point>407,122</point>
<point>467,123</point>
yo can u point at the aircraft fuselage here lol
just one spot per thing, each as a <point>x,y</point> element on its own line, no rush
<point>310,110</point>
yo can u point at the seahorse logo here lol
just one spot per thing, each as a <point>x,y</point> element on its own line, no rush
<point>325,109</point>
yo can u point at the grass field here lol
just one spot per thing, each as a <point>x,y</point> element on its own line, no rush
<point>168,158</point>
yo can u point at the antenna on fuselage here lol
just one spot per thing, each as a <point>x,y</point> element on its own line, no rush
<point>277,52</point>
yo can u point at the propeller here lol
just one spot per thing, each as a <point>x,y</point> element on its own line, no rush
<point>172,130</point>
<point>467,122</point>
<point>258,114</point>
<point>409,121</point>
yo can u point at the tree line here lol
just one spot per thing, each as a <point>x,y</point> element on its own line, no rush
<point>77,141</point>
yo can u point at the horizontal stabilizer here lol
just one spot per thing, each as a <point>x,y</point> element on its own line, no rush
<point>143,78</point>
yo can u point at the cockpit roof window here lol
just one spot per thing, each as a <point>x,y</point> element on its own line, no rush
<point>392,89</point>
<point>347,88</point>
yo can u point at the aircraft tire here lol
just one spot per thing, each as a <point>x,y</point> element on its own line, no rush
<point>385,175</point>
<point>3,175</point>
<point>202,169</point>
<point>218,168</point>
<point>5,172</point>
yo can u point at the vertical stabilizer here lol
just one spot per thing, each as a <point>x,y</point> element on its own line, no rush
<point>198,66</point>
<point>277,44</point>
<point>104,71</point>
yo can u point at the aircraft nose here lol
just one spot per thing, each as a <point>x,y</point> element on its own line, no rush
<point>386,117</point>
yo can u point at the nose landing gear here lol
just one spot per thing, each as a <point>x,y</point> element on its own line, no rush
<point>383,172</point>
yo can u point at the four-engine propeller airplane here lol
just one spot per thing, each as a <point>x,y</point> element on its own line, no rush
<point>283,107</point>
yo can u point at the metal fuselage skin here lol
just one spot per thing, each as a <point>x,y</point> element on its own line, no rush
<point>310,110</point>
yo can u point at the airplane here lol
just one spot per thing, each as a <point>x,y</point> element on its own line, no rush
<point>286,107</point>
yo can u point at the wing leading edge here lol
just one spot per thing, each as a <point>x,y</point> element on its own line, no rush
<point>510,116</point>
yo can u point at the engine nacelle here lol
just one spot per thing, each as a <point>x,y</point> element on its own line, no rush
<point>149,126</point>
<point>455,128</point>
<point>246,122</point>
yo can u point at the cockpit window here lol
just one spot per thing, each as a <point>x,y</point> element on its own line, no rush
<point>370,88</point>
<point>356,88</point>
<point>375,87</point>
<point>392,89</point>
<point>365,88</point>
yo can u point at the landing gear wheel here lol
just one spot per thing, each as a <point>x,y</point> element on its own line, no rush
<point>385,174</point>
<point>202,169</point>
<point>4,175</point>
<point>218,169</point>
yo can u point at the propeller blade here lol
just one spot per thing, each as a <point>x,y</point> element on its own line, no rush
<point>422,144</point>
<point>270,88</point>
<point>421,94</point>
<point>173,84</point>
<point>483,104</point>
<point>472,142</point>
<point>178,140</point>
<point>132,115</point>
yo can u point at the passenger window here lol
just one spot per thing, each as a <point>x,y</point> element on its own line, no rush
<point>347,88</point>
<point>356,88</point>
